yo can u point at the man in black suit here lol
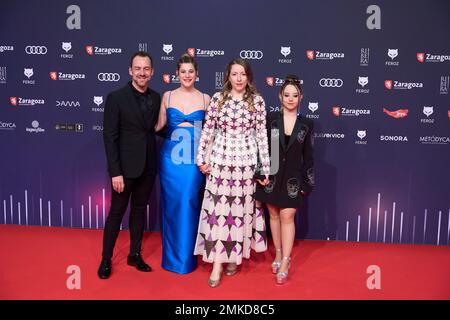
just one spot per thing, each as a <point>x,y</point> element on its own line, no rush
<point>129,137</point>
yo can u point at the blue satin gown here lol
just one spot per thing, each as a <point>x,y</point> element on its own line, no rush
<point>181,181</point>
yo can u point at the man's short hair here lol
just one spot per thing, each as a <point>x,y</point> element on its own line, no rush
<point>142,54</point>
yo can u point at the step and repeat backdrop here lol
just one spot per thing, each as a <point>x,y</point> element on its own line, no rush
<point>376,78</point>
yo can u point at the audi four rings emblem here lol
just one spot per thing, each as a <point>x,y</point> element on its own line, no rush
<point>108,77</point>
<point>251,54</point>
<point>36,49</point>
<point>333,83</point>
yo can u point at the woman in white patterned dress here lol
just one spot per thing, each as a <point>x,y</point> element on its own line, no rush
<point>235,125</point>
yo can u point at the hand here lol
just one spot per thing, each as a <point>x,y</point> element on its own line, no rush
<point>118,184</point>
<point>263,182</point>
<point>204,168</point>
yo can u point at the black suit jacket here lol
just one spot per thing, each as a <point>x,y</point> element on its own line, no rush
<point>295,171</point>
<point>128,134</point>
<point>296,157</point>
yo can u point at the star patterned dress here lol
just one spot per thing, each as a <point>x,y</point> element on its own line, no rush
<point>229,224</point>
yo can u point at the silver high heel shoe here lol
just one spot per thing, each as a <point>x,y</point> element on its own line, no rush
<point>282,275</point>
<point>276,264</point>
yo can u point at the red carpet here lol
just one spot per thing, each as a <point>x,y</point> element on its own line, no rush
<point>34,261</point>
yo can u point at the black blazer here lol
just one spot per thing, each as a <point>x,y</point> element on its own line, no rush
<point>296,163</point>
<point>129,134</point>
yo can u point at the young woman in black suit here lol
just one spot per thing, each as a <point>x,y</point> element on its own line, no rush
<point>292,177</point>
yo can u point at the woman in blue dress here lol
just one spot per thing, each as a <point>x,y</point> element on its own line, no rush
<point>183,111</point>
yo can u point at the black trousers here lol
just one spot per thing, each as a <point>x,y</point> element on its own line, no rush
<point>139,189</point>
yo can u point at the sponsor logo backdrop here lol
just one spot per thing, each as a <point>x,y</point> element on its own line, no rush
<point>376,84</point>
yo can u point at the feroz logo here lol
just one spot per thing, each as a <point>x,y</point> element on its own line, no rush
<point>98,100</point>
<point>331,83</point>
<point>420,57</point>
<point>361,134</point>
<point>66,46</point>
<point>191,52</point>
<point>336,111</point>
<point>428,111</point>
<point>397,114</point>
<point>28,72</point>
<point>388,84</point>
<point>270,81</point>
<point>251,54</point>
<point>89,50</point>
<point>392,53</point>
<point>313,106</point>
<point>285,51</point>
<point>108,76</point>
<point>54,75</point>
<point>310,54</point>
<point>167,48</point>
<point>363,81</point>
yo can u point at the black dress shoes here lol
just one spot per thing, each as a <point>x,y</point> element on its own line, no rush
<point>104,271</point>
<point>138,262</point>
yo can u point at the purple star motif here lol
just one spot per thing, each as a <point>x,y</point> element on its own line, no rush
<point>229,221</point>
<point>210,245</point>
<point>216,198</point>
<point>212,220</point>
<point>219,181</point>
<point>241,199</point>
<point>242,182</point>
<point>228,245</point>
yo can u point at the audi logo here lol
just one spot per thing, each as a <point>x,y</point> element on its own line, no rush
<point>331,83</point>
<point>108,76</point>
<point>251,54</point>
<point>36,49</point>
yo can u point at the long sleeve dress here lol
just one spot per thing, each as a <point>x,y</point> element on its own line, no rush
<point>229,225</point>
